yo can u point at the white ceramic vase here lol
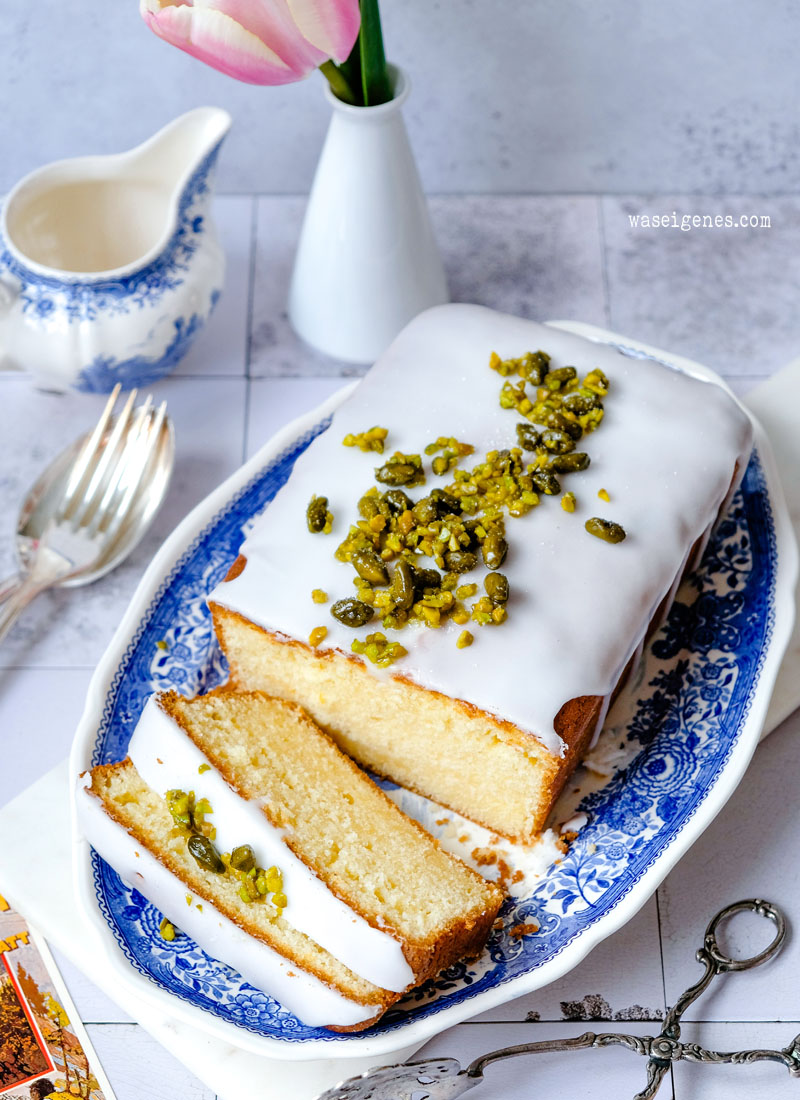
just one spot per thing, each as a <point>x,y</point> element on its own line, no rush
<point>367,260</point>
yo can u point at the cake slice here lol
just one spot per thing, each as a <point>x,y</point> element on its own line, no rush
<point>473,668</point>
<point>357,902</point>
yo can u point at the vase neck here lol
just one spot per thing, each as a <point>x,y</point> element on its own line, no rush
<point>369,115</point>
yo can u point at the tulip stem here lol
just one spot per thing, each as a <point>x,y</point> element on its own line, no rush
<point>338,82</point>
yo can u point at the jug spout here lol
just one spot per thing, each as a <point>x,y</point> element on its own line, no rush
<point>172,158</point>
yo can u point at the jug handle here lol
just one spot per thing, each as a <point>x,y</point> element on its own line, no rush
<point>8,295</point>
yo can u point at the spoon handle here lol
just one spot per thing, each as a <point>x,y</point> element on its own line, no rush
<point>16,603</point>
<point>9,586</point>
<point>47,569</point>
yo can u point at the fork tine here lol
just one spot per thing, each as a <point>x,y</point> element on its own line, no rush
<point>126,461</point>
<point>89,450</point>
<point>111,454</point>
<point>149,447</point>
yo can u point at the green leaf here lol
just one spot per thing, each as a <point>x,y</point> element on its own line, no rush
<point>374,77</point>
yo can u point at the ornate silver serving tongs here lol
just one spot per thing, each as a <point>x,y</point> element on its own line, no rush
<point>443,1078</point>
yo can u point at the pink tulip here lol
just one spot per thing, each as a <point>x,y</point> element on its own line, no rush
<point>258,41</point>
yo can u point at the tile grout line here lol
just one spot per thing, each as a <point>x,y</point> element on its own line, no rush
<point>251,286</point>
<point>529,1023</point>
<point>601,229</point>
<point>663,980</point>
<point>246,420</point>
<point>661,951</point>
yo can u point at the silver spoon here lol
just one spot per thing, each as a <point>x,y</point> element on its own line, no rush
<point>109,485</point>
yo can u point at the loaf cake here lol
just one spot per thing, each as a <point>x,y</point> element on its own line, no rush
<point>246,826</point>
<point>480,690</point>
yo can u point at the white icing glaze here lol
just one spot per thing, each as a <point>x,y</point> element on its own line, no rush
<point>167,759</point>
<point>579,606</point>
<point>314,1002</point>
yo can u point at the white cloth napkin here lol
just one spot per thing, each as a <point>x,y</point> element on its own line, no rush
<point>230,1072</point>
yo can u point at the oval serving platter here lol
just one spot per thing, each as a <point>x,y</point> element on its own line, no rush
<point>691,719</point>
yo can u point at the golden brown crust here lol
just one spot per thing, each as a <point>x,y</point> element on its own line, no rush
<point>425,957</point>
<point>382,997</point>
<point>505,729</point>
<point>236,568</point>
<point>575,721</point>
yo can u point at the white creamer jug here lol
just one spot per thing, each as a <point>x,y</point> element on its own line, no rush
<point>110,265</point>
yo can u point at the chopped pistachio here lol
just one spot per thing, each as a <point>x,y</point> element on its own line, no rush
<point>318,635</point>
<point>318,518</point>
<point>464,591</point>
<point>371,440</point>
<point>464,639</point>
<point>319,596</point>
<point>167,930</point>
<point>568,502</point>
<point>203,768</point>
<point>378,649</point>
<point>603,494</point>
<point>452,452</point>
<point>401,469</point>
<point>605,529</point>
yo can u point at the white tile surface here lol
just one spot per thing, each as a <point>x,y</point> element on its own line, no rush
<point>40,709</point>
<point>143,1068</point>
<point>275,350</point>
<point>726,1082</point>
<point>537,256</point>
<point>748,851</point>
<point>91,1002</point>
<point>725,297</point>
<point>222,347</point>
<point>276,401</point>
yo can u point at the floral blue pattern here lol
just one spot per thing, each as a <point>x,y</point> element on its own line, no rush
<point>700,676</point>
<point>86,299</point>
<point>103,373</point>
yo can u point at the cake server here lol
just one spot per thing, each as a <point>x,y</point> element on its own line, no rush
<point>443,1078</point>
<point>92,504</point>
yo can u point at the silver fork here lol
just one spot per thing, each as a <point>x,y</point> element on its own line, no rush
<point>119,461</point>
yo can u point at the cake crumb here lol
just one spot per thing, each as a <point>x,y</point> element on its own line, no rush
<point>504,874</point>
<point>484,857</point>
<point>520,930</point>
<point>518,876</point>
<point>498,925</point>
<point>463,838</point>
<point>442,820</point>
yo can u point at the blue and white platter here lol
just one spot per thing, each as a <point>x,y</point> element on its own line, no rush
<point>687,723</point>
